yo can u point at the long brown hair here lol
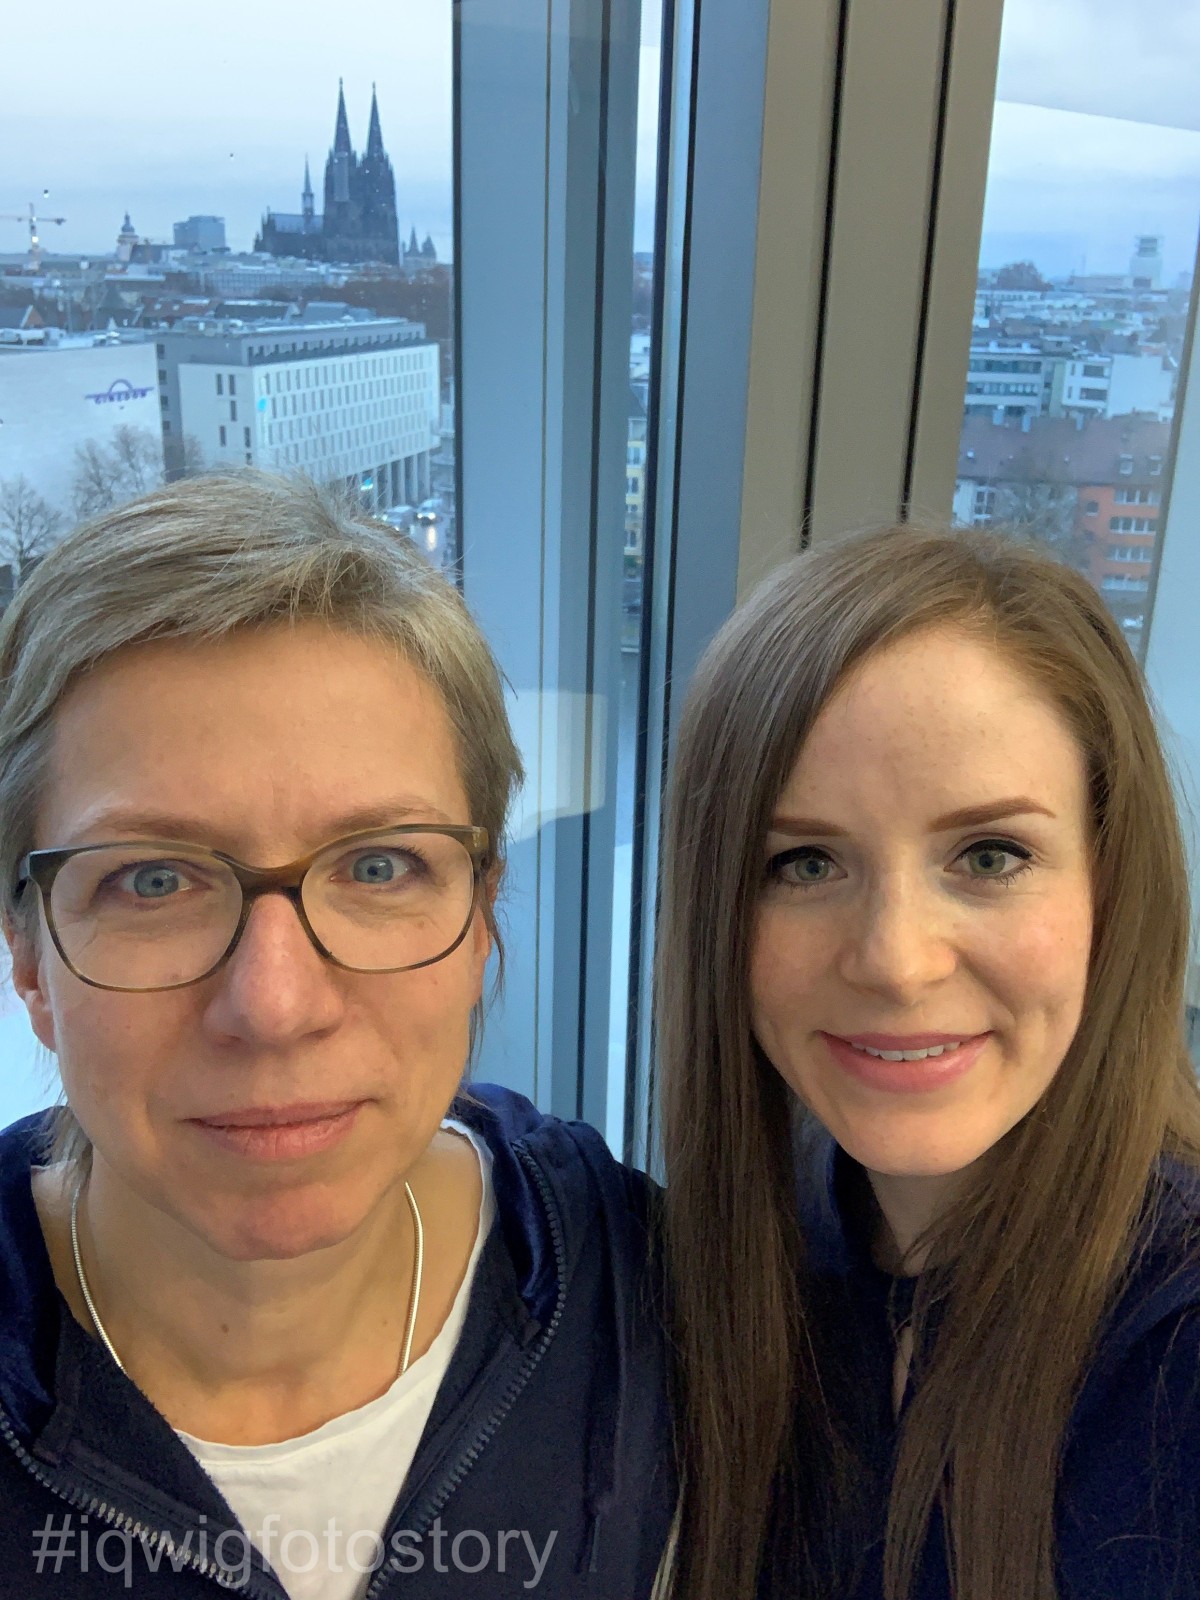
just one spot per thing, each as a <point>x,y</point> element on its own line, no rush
<point>1036,1254</point>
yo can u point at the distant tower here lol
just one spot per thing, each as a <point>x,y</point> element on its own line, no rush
<point>1145,269</point>
<point>341,220</point>
<point>377,193</point>
<point>306,199</point>
<point>358,223</point>
<point>126,239</point>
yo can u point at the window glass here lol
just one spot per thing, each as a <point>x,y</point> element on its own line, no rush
<point>298,240</point>
<point>633,664</point>
<point>1085,286</point>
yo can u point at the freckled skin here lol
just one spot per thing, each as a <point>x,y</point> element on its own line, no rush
<point>904,933</point>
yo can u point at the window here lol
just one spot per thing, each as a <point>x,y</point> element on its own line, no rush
<point>220,383</point>
<point>246,433</point>
<point>221,435</point>
<point>1103,300</point>
<point>233,411</point>
<point>232,384</point>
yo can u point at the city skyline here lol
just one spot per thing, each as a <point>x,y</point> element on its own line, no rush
<point>1085,152</point>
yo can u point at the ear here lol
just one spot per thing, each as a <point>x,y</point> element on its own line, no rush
<point>24,947</point>
<point>481,932</point>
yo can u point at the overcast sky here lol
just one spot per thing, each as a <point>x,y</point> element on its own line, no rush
<point>171,111</point>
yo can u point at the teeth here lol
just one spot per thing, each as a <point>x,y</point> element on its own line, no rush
<point>910,1055</point>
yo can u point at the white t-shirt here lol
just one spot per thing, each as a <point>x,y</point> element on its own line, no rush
<point>316,1506</point>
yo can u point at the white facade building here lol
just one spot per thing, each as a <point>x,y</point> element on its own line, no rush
<point>73,392</point>
<point>1114,386</point>
<point>350,402</point>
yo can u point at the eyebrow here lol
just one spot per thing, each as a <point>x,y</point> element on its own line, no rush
<point>965,817</point>
<point>126,820</point>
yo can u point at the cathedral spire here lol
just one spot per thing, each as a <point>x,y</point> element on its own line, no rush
<point>307,199</point>
<point>341,137</point>
<point>374,134</point>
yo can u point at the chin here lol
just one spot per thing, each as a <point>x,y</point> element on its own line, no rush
<point>920,1154</point>
<point>290,1227</point>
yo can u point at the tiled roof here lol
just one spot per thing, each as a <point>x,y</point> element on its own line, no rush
<point>1056,450</point>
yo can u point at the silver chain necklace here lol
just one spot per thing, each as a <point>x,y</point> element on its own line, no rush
<point>414,1299</point>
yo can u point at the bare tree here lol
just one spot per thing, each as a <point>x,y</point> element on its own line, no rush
<point>29,525</point>
<point>139,456</point>
<point>1041,511</point>
<point>108,474</point>
<point>1036,502</point>
<point>193,456</point>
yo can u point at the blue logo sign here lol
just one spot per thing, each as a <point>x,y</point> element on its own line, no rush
<point>118,392</point>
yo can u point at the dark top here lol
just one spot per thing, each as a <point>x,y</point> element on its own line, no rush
<point>551,1420</point>
<point>1128,1507</point>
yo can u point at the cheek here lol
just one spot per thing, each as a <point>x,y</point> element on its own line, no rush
<point>785,975</point>
<point>120,1056</point>
<point>1041,966</point>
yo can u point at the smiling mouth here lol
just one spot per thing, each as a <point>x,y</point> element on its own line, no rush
<point>900,1063</point>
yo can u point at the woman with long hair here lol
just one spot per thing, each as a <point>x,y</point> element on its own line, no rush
<point>931,1133</point>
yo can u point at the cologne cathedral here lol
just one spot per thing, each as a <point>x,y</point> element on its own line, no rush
<point>358,223</point>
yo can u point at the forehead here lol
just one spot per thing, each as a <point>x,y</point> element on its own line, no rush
<point>934,722</point>
<point>266,736</point>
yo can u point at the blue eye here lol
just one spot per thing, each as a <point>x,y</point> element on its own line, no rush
<point>376,868</point>
<point>155,881</point>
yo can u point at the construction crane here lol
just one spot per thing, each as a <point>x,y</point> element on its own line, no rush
<point>34,222</point>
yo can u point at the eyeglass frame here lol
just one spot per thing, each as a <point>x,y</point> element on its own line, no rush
<point>41,868</point>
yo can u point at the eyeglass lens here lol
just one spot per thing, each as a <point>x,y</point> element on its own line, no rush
<point>131,918</point>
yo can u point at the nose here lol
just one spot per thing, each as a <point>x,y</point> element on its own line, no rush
<point>276,988</point>
<point>899,943</point>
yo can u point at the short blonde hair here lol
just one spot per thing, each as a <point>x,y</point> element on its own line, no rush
<point>201,559</point>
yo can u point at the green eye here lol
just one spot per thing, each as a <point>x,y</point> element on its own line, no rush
<point>802,868</point>
<point>996,860</point>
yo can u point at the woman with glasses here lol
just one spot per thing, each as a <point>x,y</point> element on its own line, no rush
<point>283,1307</point>
<point>932,1136</point>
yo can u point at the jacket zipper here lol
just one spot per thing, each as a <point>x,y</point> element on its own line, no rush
<point>92,1506</point>
<point>470,1456</point>
<point>155,1538</point>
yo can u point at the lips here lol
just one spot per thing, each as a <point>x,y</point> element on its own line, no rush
<point>279,1116</point>
<point>281,1133</point>
<point>921,1076</point>
<point>904,1041</point>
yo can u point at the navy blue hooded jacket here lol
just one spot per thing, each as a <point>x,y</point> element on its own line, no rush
<point>1128,1504</point>
<point>552,1418</point>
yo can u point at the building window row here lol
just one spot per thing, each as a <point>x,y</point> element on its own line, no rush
<point>1132,525</point>
<point>1121,552</point>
